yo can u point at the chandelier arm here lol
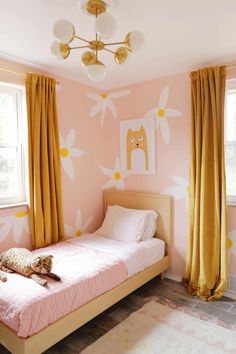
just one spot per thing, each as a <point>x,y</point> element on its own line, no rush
<point>96,50</point>
<point>108,50</point>
<point>64,33</point>
<point>82,39</point>
<point>114,43</point>
<point>80,47</point>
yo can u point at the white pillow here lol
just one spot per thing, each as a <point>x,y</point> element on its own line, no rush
<point>151,221</point>
<point>151,225</point>
<point>122,224</point>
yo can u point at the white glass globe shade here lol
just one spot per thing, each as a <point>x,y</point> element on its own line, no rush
<point>136,40</point>
<point>63,31</point>
<point>55,50</point>
<point>105,25</point>
<point>96,72</point>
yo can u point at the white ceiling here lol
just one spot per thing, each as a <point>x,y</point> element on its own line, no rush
<point>180,36</point>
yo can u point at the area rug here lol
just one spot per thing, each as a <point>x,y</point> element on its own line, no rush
<point>155,329</point>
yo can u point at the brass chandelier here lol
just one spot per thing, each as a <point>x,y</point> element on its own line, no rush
<point>105,27</point>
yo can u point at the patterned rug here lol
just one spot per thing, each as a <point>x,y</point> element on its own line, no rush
<point>155,329</point>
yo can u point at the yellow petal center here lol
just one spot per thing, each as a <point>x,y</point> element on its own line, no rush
<point>64,152</point>
<point>117,176</point>
<point>78,233</point>
<point>161,113</point>
<point>21,214</point>
<point>230,243</point>
<point>104,95</point>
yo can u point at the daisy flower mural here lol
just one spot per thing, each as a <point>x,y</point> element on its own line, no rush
<point>79,227</point>
<point>17,222</point>
<point>232,241</point>
<point>180,190</point>
<point>103,101</point>
<point>161,113</point>
<point>116,176</point>
<point>68,152</point>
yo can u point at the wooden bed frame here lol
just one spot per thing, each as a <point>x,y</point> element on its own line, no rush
<point>52,334</point>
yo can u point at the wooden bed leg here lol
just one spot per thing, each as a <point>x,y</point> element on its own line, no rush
<point>162,276</point>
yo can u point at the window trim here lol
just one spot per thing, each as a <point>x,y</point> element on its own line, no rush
<point>20,97</point>
<point>230,85</point>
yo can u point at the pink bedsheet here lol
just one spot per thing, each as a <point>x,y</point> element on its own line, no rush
<point>27,307</point>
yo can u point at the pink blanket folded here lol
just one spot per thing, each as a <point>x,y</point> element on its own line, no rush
<point>27,307</point>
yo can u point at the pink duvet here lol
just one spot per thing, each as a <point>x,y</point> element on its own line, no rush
<point>27,307</point>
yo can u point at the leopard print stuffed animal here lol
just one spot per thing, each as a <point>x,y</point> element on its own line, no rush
<point>24,262</point>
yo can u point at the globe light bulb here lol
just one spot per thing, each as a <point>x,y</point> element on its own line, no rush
<point>134,41</point>
<point>105,25</point>
<point>60,50</point>
<point>96,72</point>
<point>63,31</point>
<point>55,50</point>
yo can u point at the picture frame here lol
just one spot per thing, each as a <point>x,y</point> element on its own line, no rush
<point>138,146</point>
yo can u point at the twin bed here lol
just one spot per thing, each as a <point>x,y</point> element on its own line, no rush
<point>96,272</point>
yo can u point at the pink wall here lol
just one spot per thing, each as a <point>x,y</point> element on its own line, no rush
<point>172,158</point>
<point>94,146</point>
<point>84,192</point>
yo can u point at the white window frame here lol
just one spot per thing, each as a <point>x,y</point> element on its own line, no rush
<point>20,102</point>
<point>230,85</point>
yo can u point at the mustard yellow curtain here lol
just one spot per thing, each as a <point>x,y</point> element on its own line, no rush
<point>207,263</point>
<point>45,212</point>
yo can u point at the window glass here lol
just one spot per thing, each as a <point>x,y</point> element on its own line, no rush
<point>230,140</point>
<point>12,148</point>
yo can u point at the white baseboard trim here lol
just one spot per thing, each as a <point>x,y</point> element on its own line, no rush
<point>174,277</point>
<point>231,294</point>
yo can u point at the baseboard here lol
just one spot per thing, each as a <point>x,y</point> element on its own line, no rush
<point>231,294</point>
<point>174,277</point>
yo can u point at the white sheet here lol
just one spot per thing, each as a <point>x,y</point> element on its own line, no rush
<point>136,256</point>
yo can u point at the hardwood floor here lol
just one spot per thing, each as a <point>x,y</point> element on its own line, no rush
<point>166,292</point>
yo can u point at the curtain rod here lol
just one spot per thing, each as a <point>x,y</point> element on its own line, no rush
<point>17,73</point>
<point>229,66</point>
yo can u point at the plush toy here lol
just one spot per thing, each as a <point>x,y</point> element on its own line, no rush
<point>24,262</point>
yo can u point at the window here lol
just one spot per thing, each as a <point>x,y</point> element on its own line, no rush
<point>12,150</point>
<point>230,141</point>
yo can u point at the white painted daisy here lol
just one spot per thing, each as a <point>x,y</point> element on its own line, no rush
<point>180,190</point>
<point>232,241</point>
<point>79,228</point>
<point>67,152</point>
<point>161,113</point>
<point>103,101</point>
<point>117,177</point>
<point>18,222</point>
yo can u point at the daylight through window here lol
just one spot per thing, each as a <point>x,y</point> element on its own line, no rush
<point>12,149</point>
<point>230,141</point>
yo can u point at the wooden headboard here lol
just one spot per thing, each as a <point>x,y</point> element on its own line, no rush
<point>137,200</point>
